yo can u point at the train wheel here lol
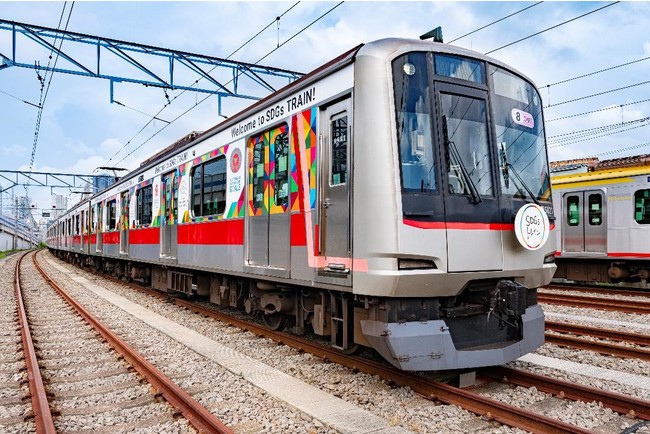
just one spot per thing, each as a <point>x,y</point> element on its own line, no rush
<point>353,349</point>
<point>275,321</point>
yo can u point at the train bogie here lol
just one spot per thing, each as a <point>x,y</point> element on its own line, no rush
<point>383,200</point>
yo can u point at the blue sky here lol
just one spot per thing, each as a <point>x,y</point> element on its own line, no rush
<point>81,130</point>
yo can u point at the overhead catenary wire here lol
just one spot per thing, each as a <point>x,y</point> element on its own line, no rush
<point>617,106</point>
<point>19,99</point>
<point>169,102</point>
<point>597,94</point>
<point>495,22</point>
<point>208,96</point>
<point>553,27</point>
<point>594,130</point>
<point>597,136</point>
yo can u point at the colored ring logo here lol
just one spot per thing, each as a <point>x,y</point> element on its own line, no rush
<point>532,226</point>
<point>235,160</point>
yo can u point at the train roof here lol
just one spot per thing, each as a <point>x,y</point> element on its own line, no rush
<point>599,177</point>
<point>383,48</point>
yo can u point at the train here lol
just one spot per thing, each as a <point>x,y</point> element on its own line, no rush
<point>397,197</point>
<point>603,223</point>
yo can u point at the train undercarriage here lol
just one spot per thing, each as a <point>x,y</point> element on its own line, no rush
<point>634,273</point>
<point>475,328</point>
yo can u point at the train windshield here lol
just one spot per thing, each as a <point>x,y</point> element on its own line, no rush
<point>520,138</point>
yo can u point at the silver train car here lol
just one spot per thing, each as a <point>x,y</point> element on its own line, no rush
<point>603,228</point>
<point>398,197</point>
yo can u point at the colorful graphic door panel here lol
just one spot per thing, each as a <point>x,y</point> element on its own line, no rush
<point>268,199</point>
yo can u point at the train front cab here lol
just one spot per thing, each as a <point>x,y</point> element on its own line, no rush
<point>470,153</point>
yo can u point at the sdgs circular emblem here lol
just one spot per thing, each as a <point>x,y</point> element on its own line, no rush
<point>235,160</point>
<point>532,226</point>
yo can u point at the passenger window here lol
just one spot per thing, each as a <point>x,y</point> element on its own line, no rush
<point>595,209</point>
<point>209,187</point>
<point>144,201</point>
<point>282,170</point>
<point>258,173</point>
<point>573,210</point>
<point>339,160</point>
<point>642,207</point>
<point>112,208</point>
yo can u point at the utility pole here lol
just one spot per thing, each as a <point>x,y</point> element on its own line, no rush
<point>13,200</point>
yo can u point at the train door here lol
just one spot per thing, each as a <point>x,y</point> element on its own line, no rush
<point>169,215</point>
<point>268,220</point>
<point>100,226</point>
<point>124,223</point>
<point>584,227</point>
<point>468,183</point>
<point>334,223</point>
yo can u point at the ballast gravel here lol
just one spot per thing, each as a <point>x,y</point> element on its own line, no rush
<point>400,406</point>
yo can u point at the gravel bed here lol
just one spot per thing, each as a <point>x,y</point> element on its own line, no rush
<point>398,405</point>
<point>84,373</point>
<point>597,294</point>
<point>13,374</point>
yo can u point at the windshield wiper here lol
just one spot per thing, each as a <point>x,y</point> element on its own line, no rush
<point>451,146</point>
<point>506,177</point>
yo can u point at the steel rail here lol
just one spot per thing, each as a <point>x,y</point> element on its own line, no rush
<point>482,406</point>
<point>628,306</point>
<point>195,413</point>
<point>583,330</point>
<point>608,290</point>
<point>40,405</point>
<point>620,403</point>
<point>599,347</point>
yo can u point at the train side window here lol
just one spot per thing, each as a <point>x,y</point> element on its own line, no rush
<point>595,209</point>
<point>197,184</point>
<point>642,207</point>
<point>209,187</point>
<point>111,209</point>
<point>144,200</point>
<point>573,210</point>
<point>281,144</point>
<point>339,137</point>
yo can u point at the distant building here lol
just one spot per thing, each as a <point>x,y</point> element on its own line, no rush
<point>102,182</point>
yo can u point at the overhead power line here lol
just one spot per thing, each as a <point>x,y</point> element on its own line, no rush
<point>494,22</point>
<point>588,134</point>
<point>208,96</point>
<point>552,27</point>
<point>598,110</point>
<point>597,94</point>
<point>19,99</point>
<point>195,82</point>
<point>618,151</point>
<point>598,136</point>
<point>596,72</point>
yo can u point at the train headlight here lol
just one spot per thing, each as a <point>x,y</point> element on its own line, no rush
<point>415,264</point>
<point>550,258</point>
<point>409,68</point>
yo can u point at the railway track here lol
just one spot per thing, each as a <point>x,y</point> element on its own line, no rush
<point>620,350</point>
<point>601,289</point>
<point>472,400</point>
<point>590,302</point>
<point>79,375</point>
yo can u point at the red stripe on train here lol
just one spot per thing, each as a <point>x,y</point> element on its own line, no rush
<point>111,237</point>
<point>144,236</point>
<point>227,232</point>
<point>464,226</point>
